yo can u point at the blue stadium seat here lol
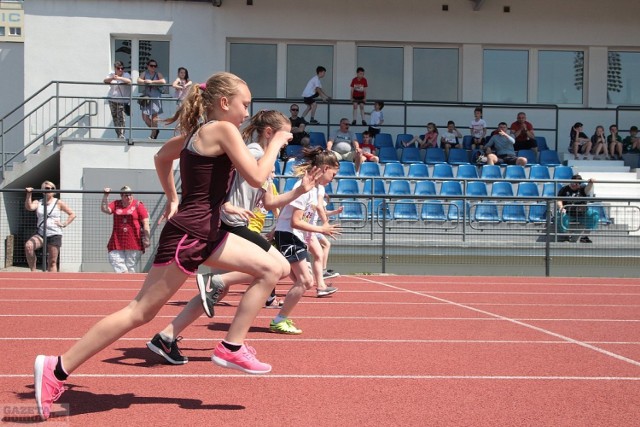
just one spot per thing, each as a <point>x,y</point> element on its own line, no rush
<point>451,188</point>
<point>514,212</point>
<point>278,167</point>
<point>458,156</point>
<point>467,172</point>
<point>288,167</point>
<point>276,182</point>
<point>347,186</point>
<point>550,189</point>
<point>442,171</point>
<point>358,137</point>
<point>383,140</point>
<point>410,155</point>
<point>458,210</point>
<point>515,172</point>
<point>378,187</point>
<point>403,137</point>
<point>476,188</point>
<point>541,141</point>
<point>418,170</point>
<point>369,169</point>
<point>539,172</point>
<point>602,213</point>
<point>528,189</point>
<point>289,183</point>
<point>530,155</point>
<point>388,155</point>
<point>399,187</point>
<point>353,210</point>
<point>425,188</point>
<point>486,212</point>
<point>538,213</point>
<point>550,158</point>
<point>467,140</point>
<point>376,212</point>
<point>293,150</point>
<point>491,172</point>
<point>393,170</point>
<point>328,189</point>
<point>317,139</point>
<point>433,210</point>
<point>434,156</point>
<point>405,210</point>
<point>346,168</point>
<point>562,173</point>
<point>501,189</point>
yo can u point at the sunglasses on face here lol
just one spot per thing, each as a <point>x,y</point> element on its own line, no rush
<point>153,65</point>
<point>48,188</point>
<point>294,109</point>
<point>119,68</point>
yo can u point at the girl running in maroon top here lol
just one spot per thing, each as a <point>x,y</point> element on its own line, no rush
<point>209,147</point>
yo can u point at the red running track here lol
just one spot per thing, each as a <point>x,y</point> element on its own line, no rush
<point>383,351</point>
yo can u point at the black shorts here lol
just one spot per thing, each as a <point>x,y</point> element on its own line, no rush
<point>247,234</point>
<point>187,251</point>
<point>373,131</point>
<point>525,145</point>
<point>358,99</point>
<point>290,246</point>
<point>310,99</point>
<point>55,240</point>
<point>509,159</point>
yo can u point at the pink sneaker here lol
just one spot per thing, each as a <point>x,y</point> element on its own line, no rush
<point>243,360</point>
<point>48,387</point>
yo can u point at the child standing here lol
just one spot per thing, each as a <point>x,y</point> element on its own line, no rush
<point>359,94</point>
<point>208,153</point>
<point>478,129</point>
<point>181,85</point>
<point>292,230</point>
<point>377,119</point>
<point>311,92</point>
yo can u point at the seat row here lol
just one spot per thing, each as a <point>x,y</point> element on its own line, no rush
<point>444,171</point>
<point>453,210</point>
<point>350,186</point>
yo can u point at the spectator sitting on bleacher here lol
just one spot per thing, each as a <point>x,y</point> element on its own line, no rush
<point>430,139</point>
<point>368,149</point>
<point>450,138</point>
<point>580,142</point>
<point>615,142</point>
<point>344,144</point>
<point>631,144</point>
<point>504,151</point>
<point>599,143</point>
<point>523,133</point>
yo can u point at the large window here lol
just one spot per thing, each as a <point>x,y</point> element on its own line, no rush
<point>302,61</point>
<point>560,77</point>
<point>505,76</point>
<point>435,75</point>
<point>257,65</point>
<point>147,49</point>
<point>623,78</point>
<point>384,70</point>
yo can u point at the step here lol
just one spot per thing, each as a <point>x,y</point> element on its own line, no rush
<point>598,165</point>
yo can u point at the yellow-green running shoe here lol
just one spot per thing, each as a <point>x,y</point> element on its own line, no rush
<point>284,327</point>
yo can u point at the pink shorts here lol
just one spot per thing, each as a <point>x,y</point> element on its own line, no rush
<point>187,251</point>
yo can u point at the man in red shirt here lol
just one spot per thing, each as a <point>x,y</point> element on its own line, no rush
<point>359,94</point>
<point>523,133</point>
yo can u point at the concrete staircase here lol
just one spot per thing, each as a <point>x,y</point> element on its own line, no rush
<point>43,157</point>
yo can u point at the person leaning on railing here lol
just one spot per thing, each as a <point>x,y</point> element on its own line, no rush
<point>119,94</point>
<point>576,211</point>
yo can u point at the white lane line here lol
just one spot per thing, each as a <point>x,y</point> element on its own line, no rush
<point>349,377</point>
<point>520,323</point>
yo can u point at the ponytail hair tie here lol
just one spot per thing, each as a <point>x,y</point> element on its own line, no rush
<point>202,86</point>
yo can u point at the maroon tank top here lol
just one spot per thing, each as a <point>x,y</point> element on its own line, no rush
<point>205,184</point>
